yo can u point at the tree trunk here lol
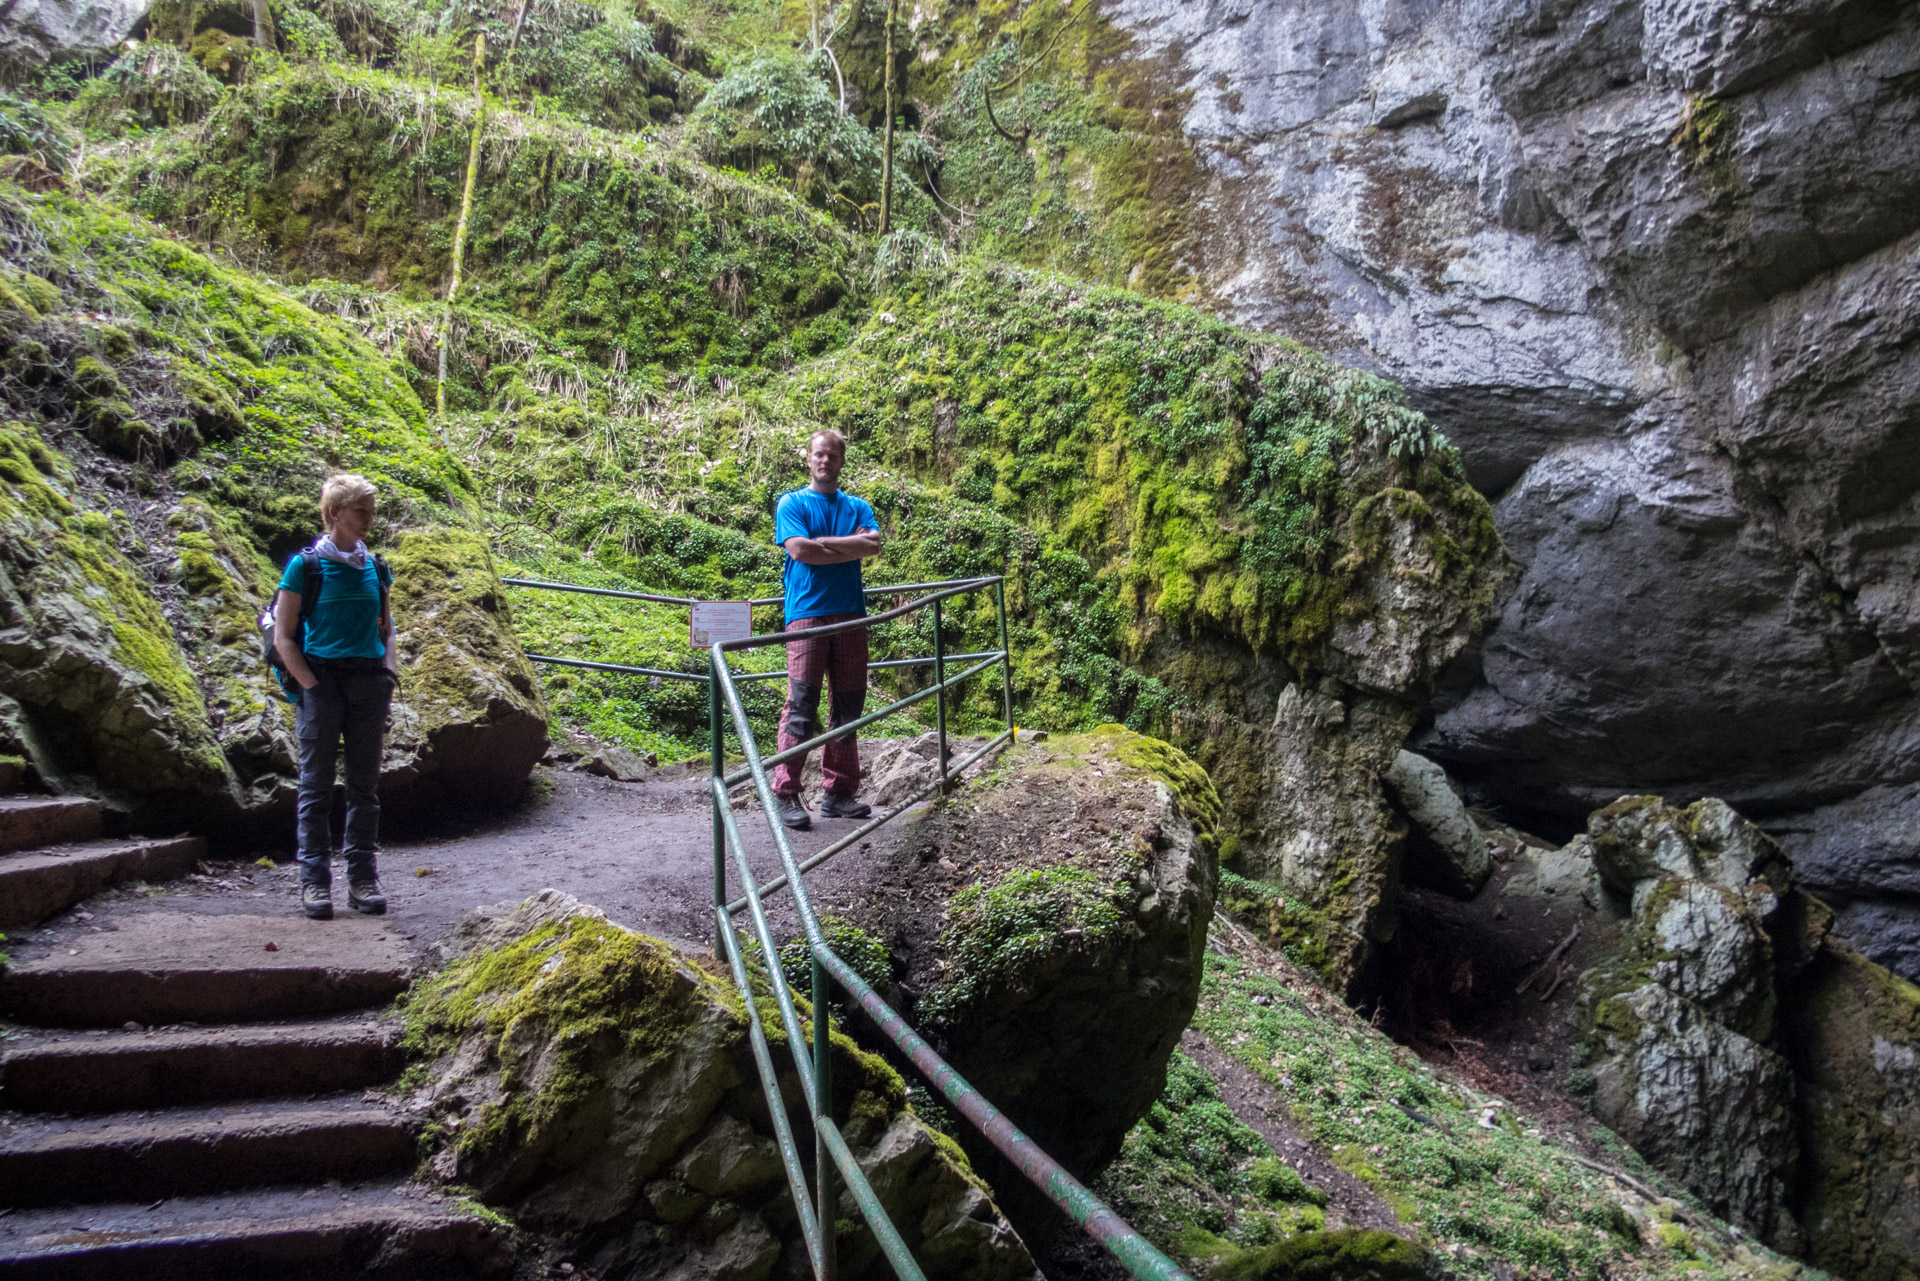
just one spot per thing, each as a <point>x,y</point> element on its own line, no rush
<point>460,228</point>
<point>264,36</point>
<point>886,154</point>
<point>519,19</point>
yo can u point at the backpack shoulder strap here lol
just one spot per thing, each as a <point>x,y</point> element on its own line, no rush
<point>385,575</point>
<point>312,581</point>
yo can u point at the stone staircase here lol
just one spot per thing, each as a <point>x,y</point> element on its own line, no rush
<point>188,1094</point>
<point>52,855</point>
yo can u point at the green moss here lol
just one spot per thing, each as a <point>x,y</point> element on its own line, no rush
<point>1198,1182</point>
<point>1349,1254</point>
<point>1190,784</point>
<point>1705,139</point>
<point>300,160</point>
<point>1505,1194</point>
<point>583,984</point>
<point>1307,937</point>
<point>97,380</point>
<point>999,930</point>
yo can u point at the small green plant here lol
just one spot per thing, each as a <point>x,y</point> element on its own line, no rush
<point>151,85</point>
<point>777,109</point>
<point>997,932</point>
<point>27,130</point>
<point>904,252</point>
<point>866,955</point>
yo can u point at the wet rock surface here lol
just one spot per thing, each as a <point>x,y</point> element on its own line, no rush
<point>1664,971</point>
<point>33,32</point>
<point>1862,856</point>
<point>131,580</point>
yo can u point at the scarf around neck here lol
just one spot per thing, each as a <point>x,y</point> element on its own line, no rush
<point>327,551</point>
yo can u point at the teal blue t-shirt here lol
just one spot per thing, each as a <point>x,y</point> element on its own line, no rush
<point>345,622</point>
<point>816,590</point>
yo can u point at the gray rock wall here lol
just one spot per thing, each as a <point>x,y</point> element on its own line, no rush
<point>1654,267</point>
<point>38,31</point>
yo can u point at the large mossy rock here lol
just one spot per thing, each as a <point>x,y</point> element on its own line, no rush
<point>597,1084</point>
<point>1741,1046</point>
<point>1051,920</point>
<point>1854,1036</point>
<point>169,421</point>
<point>1285,550</point>
<point>1680,1022</point>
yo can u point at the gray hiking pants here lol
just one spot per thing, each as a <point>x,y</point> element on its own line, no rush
<point>348,705</point>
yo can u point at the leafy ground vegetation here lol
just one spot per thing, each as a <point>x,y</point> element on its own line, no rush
<point>1477,1186</point>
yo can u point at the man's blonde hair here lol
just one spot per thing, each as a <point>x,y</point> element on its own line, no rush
<point>340,491</point>
<point>832,437</point>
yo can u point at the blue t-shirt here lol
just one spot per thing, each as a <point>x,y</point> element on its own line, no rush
<point>345,622</point>
<point>816,590</point>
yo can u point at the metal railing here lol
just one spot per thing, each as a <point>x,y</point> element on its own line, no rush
<point>815,1207</point>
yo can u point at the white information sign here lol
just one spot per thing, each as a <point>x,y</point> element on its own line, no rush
<point>713,621</point>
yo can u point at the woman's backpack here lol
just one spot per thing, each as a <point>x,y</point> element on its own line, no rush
<point>270,652</point>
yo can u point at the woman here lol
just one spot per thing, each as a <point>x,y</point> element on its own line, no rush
<point>342,658</point>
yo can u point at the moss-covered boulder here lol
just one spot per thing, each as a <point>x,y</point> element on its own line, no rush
<point>596,1084</point>
<point>1050,921</point>
<point>668,265</point>
<point>1680,1021</point>
<point>1741,1046</point>
<point>1854,1037</point>
<point>1285,549</point>
<point>97,688</point>
<point>134,575</point>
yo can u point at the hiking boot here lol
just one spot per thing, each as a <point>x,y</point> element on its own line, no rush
<point>838,806</point>
<point>365,896</point>
<point>317,902</point>
<point>792,812</point>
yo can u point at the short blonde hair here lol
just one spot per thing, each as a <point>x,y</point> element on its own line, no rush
<point>832,437</point>
<point>340,491</point>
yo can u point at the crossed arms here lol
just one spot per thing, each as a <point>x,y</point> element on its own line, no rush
<point>834,549</point>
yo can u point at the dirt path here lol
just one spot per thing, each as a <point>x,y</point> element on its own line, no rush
<point>640,852</point>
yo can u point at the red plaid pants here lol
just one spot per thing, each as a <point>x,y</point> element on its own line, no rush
<point>840,662</point>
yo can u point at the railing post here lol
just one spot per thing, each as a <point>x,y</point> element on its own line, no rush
<point>717,742</point>
<point>824,1191</point>
<point>940,699</point>
<point>1006,654</point>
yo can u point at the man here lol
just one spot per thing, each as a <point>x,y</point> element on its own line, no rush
<point>826,534</point>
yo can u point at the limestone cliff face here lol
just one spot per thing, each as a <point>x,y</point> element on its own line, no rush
<point>33,32</point>
<point>1653,267</point>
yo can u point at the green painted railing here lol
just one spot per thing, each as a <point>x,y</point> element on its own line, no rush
<point>1134,1251</point>
<point>816,1206</point>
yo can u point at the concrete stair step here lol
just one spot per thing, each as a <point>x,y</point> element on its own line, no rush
<point>37,883</point>
<point>287,1234</point>
<point>82,1072</point>
<point>164,967</point>
<point>183,1151</point>
<point>29,821</point>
